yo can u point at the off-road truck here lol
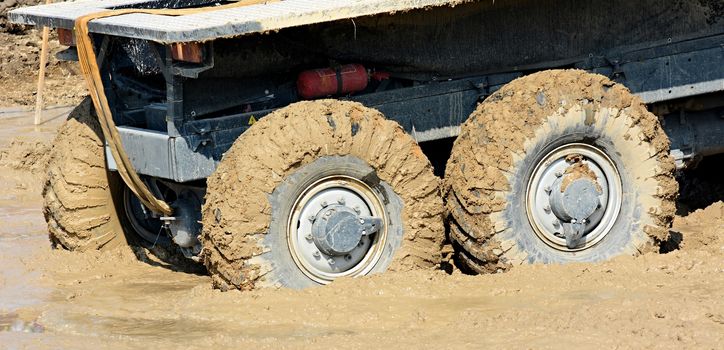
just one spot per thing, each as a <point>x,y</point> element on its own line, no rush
<point>289,143</point>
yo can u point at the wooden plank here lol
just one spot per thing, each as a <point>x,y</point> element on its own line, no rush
<point>41,74</point>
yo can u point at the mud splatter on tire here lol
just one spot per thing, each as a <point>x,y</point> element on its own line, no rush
<point>485,180</point>
<point>237,211</point>
<point>80,196</point>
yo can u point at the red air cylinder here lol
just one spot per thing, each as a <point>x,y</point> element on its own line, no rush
<point>332,81</point>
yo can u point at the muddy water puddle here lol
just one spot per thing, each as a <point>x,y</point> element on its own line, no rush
<point>21,236</point>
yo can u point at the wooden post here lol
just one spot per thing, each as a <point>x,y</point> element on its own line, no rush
<point>41,73</point>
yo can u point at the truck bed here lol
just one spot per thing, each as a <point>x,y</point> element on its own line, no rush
<point>228,22</point>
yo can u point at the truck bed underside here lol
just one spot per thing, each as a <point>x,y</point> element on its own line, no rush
<point>214,24</point>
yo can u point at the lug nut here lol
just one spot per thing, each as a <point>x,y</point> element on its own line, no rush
<point>341,201</point>
<point>330,261</point>
<point>547,209</point>
<point>356,209</point>
<point>361,221</point>
<point>311,218</point>
<point>547,189</point>
<point>559,174</point>
<point>364,233</point>
<point>308,236</point>
<point>324,204</point>
<point>348,257</point>
<point>556,223</point>
<point>317,255</point>
<point>361,243</point>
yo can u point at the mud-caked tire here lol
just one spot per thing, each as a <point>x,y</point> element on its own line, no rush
<point>489,176</point>
<point>80,195</point>
<point>252,194</point>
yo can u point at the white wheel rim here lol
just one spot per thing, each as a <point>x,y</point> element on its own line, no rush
<point>542,219</point>
<point>314,263</point>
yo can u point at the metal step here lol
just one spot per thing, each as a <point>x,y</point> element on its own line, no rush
<point>213,24</point>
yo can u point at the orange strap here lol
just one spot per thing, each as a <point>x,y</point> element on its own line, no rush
<point>91,73</point>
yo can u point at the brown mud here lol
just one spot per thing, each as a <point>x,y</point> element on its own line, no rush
<point>20,61</point>
<point>578,170</point>
<point>80,194</point>
<point>114,300</point>
<point>123,299</point>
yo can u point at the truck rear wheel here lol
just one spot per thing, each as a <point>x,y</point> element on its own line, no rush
<point>86,206</point>
<point>556,167</point>
<point>317,191</point>
<point>80,195</point>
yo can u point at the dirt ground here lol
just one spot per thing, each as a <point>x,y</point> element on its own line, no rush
<point>125,300</point>
<point>19,64</point>
<point>56,299</point>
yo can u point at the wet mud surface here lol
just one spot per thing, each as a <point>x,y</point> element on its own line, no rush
<point>57,299</point>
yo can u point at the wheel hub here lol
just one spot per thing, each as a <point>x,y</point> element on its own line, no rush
<point>577,202</point>
<point>574,197</point>
<point>338,230</point>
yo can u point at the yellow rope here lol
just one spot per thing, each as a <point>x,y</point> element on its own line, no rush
<point>91,72</point>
